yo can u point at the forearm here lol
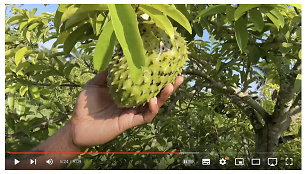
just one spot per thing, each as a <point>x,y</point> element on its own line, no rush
<point>60,142</point>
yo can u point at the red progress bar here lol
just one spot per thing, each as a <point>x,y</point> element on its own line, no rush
<point>94,152</point>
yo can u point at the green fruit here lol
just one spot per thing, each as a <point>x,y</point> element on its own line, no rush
<point>164,61</point>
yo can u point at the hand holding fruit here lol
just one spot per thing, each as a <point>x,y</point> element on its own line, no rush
<point>97,119</point>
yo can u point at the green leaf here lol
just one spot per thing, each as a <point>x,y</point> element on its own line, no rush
<point>242,9</point>
<point>126,29</point>
<point>198,29</point>
<point>87,163</point>
<point>28,36</point>
<point>74,37</point>
<point>230,11</point>
<point>68,68</point>
<point>275,21</point>
<point>241,33</point>
<point>35,92</point>
<point>14,18</point>
<point>99,23</point>
<point>23,90</point>
<point>22,25</point>
<point>159,18</point>
<point>255,53</point>
<point>75,20</point>
<point>57,18</point>
<point>68,12</point>
<point>211,10</point>
<point>175,14</point>
<point>256,18</point>
<point>93,22</point>
<point>10,53</point>
<point>161,141</point>
<point>79,9</point>
<point>299,6</point>
<point>92,7</point>
<point>33,20</point>
<point>287,45</point>
<point>20,55</point>
<point>300,54</point>
<point>20,106</point>
<point>105,47</point>
<point>279,16</point>
<point>10,100</point>
<point>61,38</point>
<point>218,65</point>
<point>183,10</point>
<point>297,84</point>
<point>31,27</point>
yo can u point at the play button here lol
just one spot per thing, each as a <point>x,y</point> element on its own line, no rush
<point>33,161</point>
<point>16,161</point>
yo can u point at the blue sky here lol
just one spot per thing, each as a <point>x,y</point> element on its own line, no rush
<point>40,7</point>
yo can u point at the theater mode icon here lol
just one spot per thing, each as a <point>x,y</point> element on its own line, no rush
<point>255,161</point>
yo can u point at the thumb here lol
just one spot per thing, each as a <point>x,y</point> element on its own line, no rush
<point>99,80</point>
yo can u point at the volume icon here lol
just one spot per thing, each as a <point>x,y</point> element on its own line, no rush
<point>49,161</point>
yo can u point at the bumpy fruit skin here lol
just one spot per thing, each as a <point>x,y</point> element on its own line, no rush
<point>165,59</point>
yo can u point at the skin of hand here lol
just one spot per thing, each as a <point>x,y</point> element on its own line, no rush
<point>97,119</point>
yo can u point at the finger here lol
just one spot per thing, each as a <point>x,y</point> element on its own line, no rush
<point>164,95</point>
<point>178,81</point>
<point>99,80</point>
<point>140,119</point>
<point>153,107</point>
<point>145,114</point>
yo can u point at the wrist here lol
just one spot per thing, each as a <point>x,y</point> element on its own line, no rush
<point>72,137</point>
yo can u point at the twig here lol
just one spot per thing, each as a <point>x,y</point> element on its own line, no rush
<point>40,125</point>
<point>64,85</point>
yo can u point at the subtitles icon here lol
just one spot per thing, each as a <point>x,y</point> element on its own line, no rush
<point>239,161</point>
<point>255,161</point>
<point>205,162</point>
<point>272,162</point>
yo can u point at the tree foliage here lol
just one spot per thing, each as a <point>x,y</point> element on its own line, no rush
<point>241,96</point>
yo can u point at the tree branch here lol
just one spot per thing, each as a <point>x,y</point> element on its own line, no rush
<point>247,77</point>
<point>49,84</point>
<point>230,91</point>
<point>285,139</point>
<point>286,95</point>
<point>294,111</point>
<point>296,103</point>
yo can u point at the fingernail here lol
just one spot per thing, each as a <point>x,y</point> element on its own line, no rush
<point>155,100</point>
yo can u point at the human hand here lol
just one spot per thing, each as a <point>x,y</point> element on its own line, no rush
<point>97,119</point>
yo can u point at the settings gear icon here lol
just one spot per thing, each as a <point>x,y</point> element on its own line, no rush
<point>222,161</point>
